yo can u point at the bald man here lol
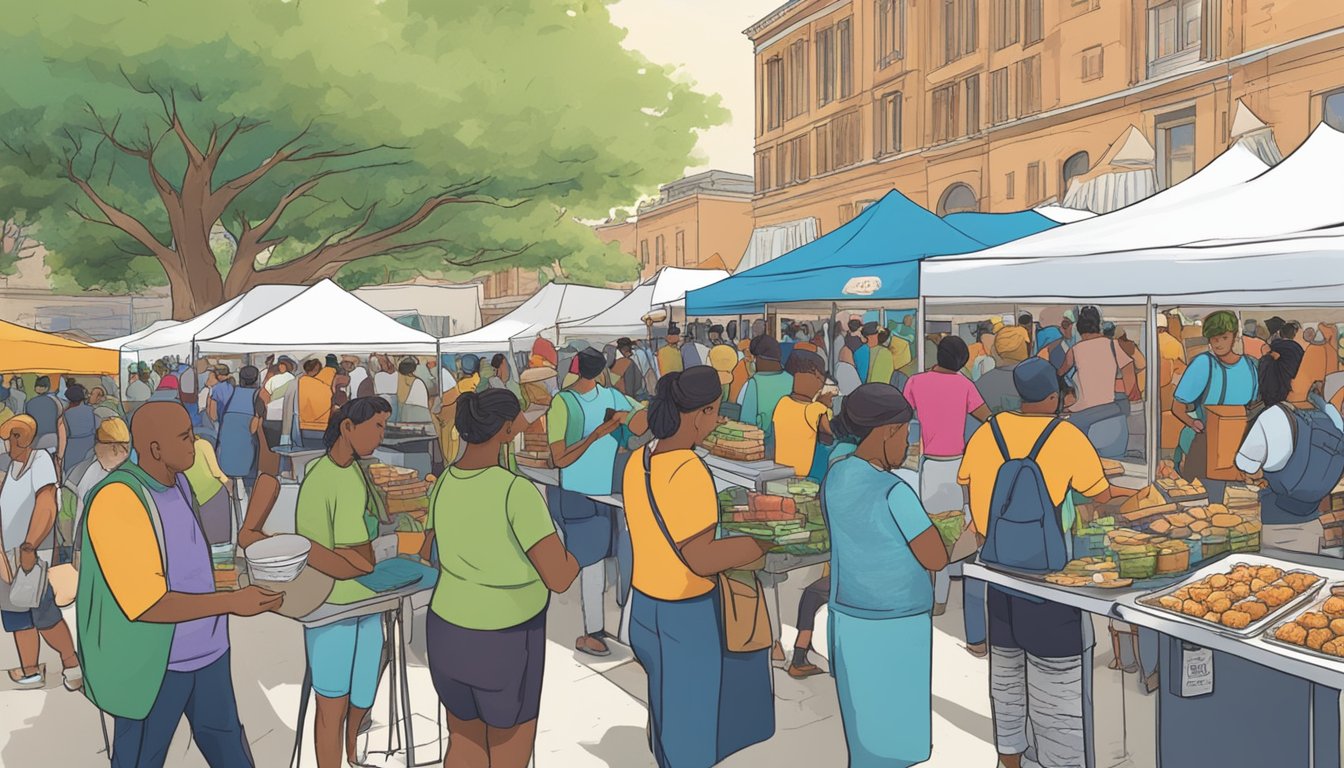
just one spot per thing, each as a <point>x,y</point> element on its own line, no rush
<point>154,633</point>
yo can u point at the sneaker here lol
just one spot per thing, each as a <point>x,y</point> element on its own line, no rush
<point>804,671</point>
<point>30,681</point>
<point>72,678</point>
<point>592,646</point>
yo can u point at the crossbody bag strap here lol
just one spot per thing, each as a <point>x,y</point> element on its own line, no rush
<point>653,507</point>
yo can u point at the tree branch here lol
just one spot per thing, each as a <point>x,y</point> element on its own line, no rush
<point>117,217</point>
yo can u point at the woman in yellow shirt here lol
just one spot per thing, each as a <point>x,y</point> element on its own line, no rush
<point>804,415</point>
<point>705,703</point>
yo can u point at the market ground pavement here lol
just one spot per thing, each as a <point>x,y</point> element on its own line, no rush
<point>592,710</point>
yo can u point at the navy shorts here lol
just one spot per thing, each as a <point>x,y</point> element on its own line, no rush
<point>493,675</point>
<point>1044,629</point>
<point>45,616</point>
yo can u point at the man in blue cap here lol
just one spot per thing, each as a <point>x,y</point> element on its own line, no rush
<point>1053,640</point>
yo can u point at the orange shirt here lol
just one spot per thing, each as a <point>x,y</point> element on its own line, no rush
<point>688,503</point>
<point>314,403</point>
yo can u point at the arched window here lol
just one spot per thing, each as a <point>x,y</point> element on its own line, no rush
<point>1077,165</point>
<point>958,198</point>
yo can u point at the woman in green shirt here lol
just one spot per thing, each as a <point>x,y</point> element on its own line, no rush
<point>334,510</point>
<point>500,559</point>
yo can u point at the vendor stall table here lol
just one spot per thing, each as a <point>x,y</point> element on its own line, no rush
<point>393,606</point>
<point>1264,688</point>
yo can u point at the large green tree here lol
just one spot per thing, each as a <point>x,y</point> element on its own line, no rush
<point>221,145</point>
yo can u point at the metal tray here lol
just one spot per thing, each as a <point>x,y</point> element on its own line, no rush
<point>1224,565</point>
<point>1314,606</point>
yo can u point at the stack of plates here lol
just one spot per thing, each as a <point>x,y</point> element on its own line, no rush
<point>278,558</point>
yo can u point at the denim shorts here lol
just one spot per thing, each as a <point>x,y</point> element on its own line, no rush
<point>45,616</point>
<point>346,659</point>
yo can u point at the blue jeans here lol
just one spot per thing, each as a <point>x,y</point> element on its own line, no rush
<point>973,610</point>
<point>206,698</point>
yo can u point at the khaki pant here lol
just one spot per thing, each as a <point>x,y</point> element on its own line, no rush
<point>1304,537</point>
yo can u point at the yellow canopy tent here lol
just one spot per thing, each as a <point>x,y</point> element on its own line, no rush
<point>24,350</point>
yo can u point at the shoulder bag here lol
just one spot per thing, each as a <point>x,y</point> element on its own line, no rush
<point>746,621</point>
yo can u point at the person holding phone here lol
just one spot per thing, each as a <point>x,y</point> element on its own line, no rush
<point>580,426</point>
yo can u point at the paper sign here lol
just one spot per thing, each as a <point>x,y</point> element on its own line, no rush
<point>863,286</point>
<point>1196,671</point>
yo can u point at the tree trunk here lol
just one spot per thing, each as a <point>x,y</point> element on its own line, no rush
<point>194,281</point>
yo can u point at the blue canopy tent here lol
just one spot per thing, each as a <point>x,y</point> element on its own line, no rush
<point>873,257</point>
<point>999,228</point>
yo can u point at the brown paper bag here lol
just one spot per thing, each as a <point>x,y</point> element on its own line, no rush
<point>1225,429</point>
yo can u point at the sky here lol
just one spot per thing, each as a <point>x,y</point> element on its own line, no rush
<point>704,38</point>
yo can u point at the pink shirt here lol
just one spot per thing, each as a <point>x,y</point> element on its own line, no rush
<point>942,401</point>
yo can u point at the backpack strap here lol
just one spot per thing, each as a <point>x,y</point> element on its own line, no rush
<point>1040,441</point>
<point>998,437</point>
<point>1292,418</point>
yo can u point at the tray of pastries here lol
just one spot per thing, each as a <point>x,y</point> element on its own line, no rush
<point>1317,631</point>
<point>1240,596</point>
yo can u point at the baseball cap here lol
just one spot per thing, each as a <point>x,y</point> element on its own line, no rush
<point>1035,380</point>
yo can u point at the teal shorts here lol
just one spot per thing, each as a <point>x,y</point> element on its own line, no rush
<point>346,658</point>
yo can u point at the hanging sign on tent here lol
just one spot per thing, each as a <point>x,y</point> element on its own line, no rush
<point>863,286</point>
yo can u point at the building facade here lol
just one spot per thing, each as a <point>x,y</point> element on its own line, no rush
<point>1001,105</point>
<point>691,222</point>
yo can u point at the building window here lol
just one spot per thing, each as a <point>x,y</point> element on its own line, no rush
<point>1005,28</point>
<point>1029,86</point>
<point>825,66</point>
<point>644,252</point>
<point>1175,29</point>
<point>1175,147</point>
<point>821,139</point>
<point>797,79</point>
<point>1034,25</point>
<point>960,30</point>
<point>863,205</point>
<point>944,113</point>
<point>762,172</point>
<point>972,105</point>
<point>845,139</point>
<point>1010,185</point>
<point>1333,106</point>
<point>998,96</point>
<point>1093,63</point>
<point>845,49</point>
<point>1035,185</point>
<point>681,248</point>
<point>958,198</point>
<point>835,62</point>
<point>846,212</point>
<point>774,93</point>
<point>888,124</point>
<point>890,31</point>
<point>660,250</point>
<point>1077,165</point>
<point>791,161</point>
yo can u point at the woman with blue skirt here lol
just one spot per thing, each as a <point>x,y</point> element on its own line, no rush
<point>883,548</point>
<point>705,702</point>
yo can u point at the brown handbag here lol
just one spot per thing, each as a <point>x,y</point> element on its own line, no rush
<point>746,620</point>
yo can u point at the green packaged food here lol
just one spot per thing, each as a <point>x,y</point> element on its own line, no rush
<point>1136,562</point>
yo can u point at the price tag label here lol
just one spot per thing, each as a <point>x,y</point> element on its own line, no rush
<point>1196,671</point>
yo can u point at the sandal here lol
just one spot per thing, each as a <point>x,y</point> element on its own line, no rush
<point>23,681</point>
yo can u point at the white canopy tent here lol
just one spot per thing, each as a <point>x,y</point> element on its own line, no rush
<point>553,305</point>
<point>176,340</point>
<point>1064,215</point>
<point>1300,195</point>
<point>323,318</point>
<point>444,310</point>
<point>121,341</point>
<point>770,242</point>
<point>625,318</point>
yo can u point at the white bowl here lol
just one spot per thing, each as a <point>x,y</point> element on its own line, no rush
<point>277,573</point>
<point>278,549</point>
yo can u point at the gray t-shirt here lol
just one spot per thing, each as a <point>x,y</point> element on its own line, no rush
<point>998,390</point>
<point>18,496</point>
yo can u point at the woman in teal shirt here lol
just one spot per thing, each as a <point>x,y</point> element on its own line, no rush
<point>883,548</point>
<point>499,560</point>
<point>334,510</point>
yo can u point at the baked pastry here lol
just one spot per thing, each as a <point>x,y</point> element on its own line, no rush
<point>1337,626</point>
<point>1292,633</point>
<point>1194,608</point>
<point>1313,620</point>
<point>1268,572</point>
<point>1219,581</point>
<point>1334,607</point>
<point>1317,637</point>
<point>1238,620</point>
<point>1213,617</point>
<point>1255,608</point>
<point>1200,593</point>
<point>1241,590</point>
<point>1219,605</point>
<point>1170,602</point>
<point>1257,584</point>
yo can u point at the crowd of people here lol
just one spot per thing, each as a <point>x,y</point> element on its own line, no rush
<point>138,499</point>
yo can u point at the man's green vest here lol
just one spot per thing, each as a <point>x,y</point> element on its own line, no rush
<point>123,661</point>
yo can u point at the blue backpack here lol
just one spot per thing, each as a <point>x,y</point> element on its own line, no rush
<point>1025,530</point>
<point>1315,467</point>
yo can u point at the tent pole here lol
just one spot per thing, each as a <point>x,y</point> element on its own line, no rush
<point>830,338</point>
<point>1153,400</point>
<point>921,323</point>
